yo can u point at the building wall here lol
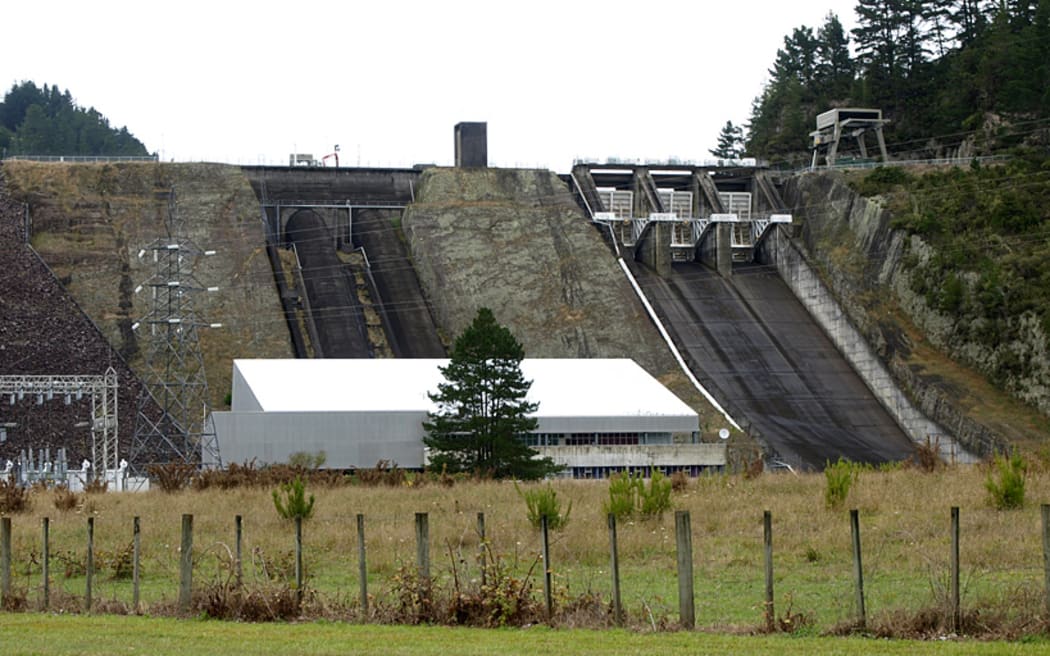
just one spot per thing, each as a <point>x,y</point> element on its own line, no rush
<point>349,440</point>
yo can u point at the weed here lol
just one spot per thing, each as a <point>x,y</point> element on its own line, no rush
<point>65,499</point>
<point>173,476</point>
<point>679,481</point>
<point>812,555</point>
<point>1005,483</point>
<point>276,568</point>
<point>501,600</point>
<point>384,473</point>
<point>259,603</point>
<point>791,621</point>
<point>120,562</point>
<point>72,563</point>
<point>839,477</point>
<point>96,486</point>
<point>14,498</point>
<point>752,467</point>
<point>543,502</point>
<point>294,504</point>
<point>927,456</point>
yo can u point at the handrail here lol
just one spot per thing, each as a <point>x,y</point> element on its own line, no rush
<point>83,158</point>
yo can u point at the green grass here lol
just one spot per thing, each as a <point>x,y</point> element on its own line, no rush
<point>57,635</point>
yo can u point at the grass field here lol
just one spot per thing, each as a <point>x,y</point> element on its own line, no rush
<point>904,523</point>
<point>56,635</point>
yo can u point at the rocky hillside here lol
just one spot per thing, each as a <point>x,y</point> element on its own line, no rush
<point>515,241</point>
<point>89,222</point>
<point>878,271</point>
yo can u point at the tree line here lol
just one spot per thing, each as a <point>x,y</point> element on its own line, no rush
<point>935,68</point>
<point>47,121</point>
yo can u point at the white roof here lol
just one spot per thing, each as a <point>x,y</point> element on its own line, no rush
<point>562,387</point>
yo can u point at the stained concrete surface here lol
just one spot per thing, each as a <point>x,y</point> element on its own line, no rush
<point>754,344</point>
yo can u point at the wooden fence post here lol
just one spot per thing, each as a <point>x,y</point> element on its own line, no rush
<point>482,556</point>
<point>186,564</point>
<point>1045,511</point>
<point>238,548</point>
<point>955,598</point>
<point>45,564</point>
<point>362,567</point>
<point>422,546</point>
<point>298,559</point>
<point>136,559</point>
<point>614,566</point>
<point>767,541</point>
<point>89,566</point>
<point>548,593</point>
<point>684,541</point>
<point>5,558</point>
<point>858,569</point>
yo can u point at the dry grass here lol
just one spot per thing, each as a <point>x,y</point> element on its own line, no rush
<point>904,519</point>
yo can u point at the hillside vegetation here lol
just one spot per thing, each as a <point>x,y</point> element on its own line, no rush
<point>956,313</point>
<point>951,75</point>
<point>47,121</point>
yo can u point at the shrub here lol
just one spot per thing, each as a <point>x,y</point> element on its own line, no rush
<point>655,500</point>
<point>384,473</point>
<point>13,498</point>
<point>65,499</point>
<point>543,502</point>
<point>628,494</point>
<point>840,477</point>
<point>294,503</point>
<point>927,456</point>
<point>96,486</point>
<point>172,476</point>
<point>1005,483</point>
<point>305,460</point>
<point>679,481</point>
<point>623,494</point>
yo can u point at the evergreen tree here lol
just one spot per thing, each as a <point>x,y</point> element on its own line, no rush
<point>46,121</point>
<point>730,142</point>
<point>483,415</point>
<point>834,69</point>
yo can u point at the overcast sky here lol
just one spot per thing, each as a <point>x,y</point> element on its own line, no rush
<point>252,82</point>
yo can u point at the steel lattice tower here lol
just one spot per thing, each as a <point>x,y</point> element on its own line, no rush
<point>174,378</point>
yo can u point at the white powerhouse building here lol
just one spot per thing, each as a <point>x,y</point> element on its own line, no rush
<point>595,416</point>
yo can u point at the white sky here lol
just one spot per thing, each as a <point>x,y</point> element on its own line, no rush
<point>250,82</point>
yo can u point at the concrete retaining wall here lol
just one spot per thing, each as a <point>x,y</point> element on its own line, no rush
<point>778,249</point>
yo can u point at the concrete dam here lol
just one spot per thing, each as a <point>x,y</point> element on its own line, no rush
<point>743,333</point>
<point>691,271</point>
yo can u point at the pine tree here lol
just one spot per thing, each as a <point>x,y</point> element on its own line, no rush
<point>482,412</point>
<point>730,142</point>
<point>834,69</point>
